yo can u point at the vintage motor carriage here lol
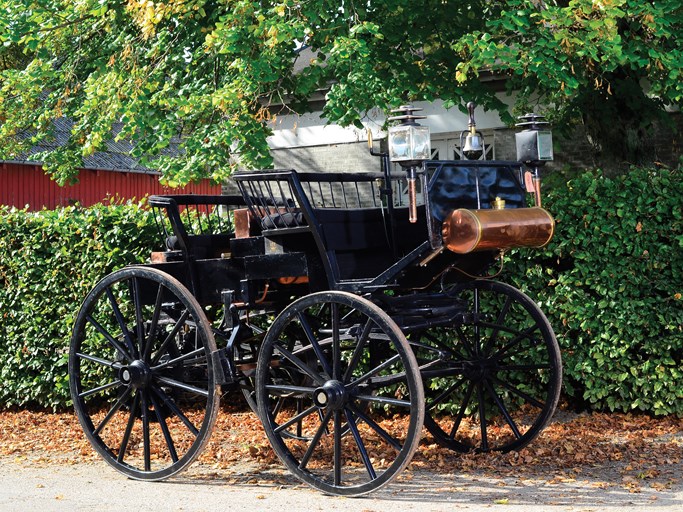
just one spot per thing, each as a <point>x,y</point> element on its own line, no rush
<point>348,311</point>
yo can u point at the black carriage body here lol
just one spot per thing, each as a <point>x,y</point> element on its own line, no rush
<point>310,232</point>
<point>364,315</point>
<point>353,228</point>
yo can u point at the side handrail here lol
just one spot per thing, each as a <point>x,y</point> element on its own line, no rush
<point>193,215</point>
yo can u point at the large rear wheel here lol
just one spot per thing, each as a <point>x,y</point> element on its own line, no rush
<point>496,372</point>
<point>140,373</point>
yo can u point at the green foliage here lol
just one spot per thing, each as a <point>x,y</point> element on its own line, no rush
<point>612,65</point>
<point>50,261</point>
<point>216,71</point>
<point>611,284</point>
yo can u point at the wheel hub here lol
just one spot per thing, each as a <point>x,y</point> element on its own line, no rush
<point>136,374</point>
<point>331,395</point>
<point>480,369</point>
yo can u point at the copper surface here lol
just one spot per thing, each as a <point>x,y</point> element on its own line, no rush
<point>158,257</point>
<point>293,280</point>
<point>537,191</point>
<point>466,231</point>
<point>242,220</point>
<point>412,200</point>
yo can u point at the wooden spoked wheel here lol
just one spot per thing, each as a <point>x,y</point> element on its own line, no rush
<point>339,393</point>
<point>140,373</point>
<point>495,374</point>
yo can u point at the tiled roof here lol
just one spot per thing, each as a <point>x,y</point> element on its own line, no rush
<point>116,156</point>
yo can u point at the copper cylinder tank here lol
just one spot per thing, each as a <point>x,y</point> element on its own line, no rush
<point>466,231</point>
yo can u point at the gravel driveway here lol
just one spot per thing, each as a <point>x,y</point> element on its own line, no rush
<point>47,484</point>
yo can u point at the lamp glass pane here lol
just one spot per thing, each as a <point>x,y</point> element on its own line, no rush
<point>422,149</point>
<point>545,145</point>
<point>399,143</point>
<point>409,142</point>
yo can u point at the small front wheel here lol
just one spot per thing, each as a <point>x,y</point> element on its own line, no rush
<point>140,373</point>
<point>339,393</point>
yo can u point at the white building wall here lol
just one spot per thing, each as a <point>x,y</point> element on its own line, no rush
<point>306,130</point>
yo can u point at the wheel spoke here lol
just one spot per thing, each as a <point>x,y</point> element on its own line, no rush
<point>286,390</point>
<point>436,344</point>
<point>310,336</point>
<point>296,419</point>
<point>322,429</point>
<point>374,426</point>
<point>527,397</point>
<point>358,350</point>
<point>317,378</point>
<point>122,323</point>
<point>482,417</point>
<point>278,406</point>
<point>199,355</point>
<point>139,320</point>
<point>168,402</point>
<point>477,326</point>
<point>129,428</point>
<point>115,408</point>
<point>446,393</point>
<point>164,429</point>
<point>383,381</point>
<point>383,400</point>
<point>99,389</point>
<point>104,362</point>
<point>462,411</point>
<point>147,351</point>
<point>337,448</point>
<point>499,322</point>
<point>514,342</point>
<point>181,385</point>
<point>469,347</point>
<point>503,409</point>
<point>144,407</point>
<point>374,371</point>
<point>336,352</point>
<point>361,446</point>
<point>110,339</point>
<point>171,337</point>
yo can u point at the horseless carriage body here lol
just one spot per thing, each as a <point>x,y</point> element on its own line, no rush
<point>346,326</point>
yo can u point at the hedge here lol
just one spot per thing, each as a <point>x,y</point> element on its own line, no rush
<point>610,282</point>
<point>49,260</point>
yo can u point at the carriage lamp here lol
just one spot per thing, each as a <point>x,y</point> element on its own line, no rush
<point>535,141</point>
<point>409,146</point>
<point>471,141</point>
<point>409,142</point>
<point>534,148</point>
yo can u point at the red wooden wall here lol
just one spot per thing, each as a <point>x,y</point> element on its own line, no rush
<point>27,185</point>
